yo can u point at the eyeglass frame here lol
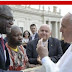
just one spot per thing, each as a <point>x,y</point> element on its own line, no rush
<point>7,18</point>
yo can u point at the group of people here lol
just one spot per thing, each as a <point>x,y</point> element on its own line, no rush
<point>54,46</point>
<point>28,37</point>
<point>65,62</point>
<point>40,47</point>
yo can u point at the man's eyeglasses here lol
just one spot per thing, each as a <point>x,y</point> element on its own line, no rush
<point>6,17</point>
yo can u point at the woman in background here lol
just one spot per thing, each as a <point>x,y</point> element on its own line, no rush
<point>26,36</point>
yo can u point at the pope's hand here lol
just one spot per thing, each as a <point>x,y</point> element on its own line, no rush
<point>42,50</point>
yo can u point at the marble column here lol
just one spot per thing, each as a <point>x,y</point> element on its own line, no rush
<point>56,30</point>
<point>60,32</point>
<point>49,23</point>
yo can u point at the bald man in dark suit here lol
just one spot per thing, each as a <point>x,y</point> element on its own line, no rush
<point>54,46</point>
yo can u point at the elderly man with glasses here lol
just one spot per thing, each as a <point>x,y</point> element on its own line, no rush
<point>6,21</point>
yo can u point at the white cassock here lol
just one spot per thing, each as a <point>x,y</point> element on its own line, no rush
<point>63,65</point>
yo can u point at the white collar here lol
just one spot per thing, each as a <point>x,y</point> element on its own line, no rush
<point>0,35</point>
<point>44,43</point>
<point>34,34</point>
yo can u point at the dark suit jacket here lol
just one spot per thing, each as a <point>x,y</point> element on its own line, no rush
<point>64,46</point>
<point>4,65</point>
<point>36,36</point>
<point>54,48</point>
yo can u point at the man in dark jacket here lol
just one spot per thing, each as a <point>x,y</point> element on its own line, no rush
<point>54,46</point>
<point>6,21</point>
<point>34,32</point>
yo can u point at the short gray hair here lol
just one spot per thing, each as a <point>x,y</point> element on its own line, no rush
<point>47,25</point>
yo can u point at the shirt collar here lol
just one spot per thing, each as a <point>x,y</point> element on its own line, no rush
<point>34,34</point>
<point>0,35</point>
<point>44,43</point>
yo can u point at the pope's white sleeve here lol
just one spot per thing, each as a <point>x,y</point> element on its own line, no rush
<point>49,65</point>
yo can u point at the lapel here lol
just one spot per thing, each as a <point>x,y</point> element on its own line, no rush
<point>30,38</point>
<point>35,35</point>
<point>2,52</point>
<point>50,45</point>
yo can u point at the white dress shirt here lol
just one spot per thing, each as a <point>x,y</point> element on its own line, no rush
<point>33,36</point>
<point>44,43</point>
<point>63,65</point>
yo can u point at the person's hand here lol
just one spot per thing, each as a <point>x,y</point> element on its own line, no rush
<point>39,60</point>
<point>42,50</point>
<point>30,65</point>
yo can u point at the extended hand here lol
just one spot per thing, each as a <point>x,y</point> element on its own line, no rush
<point>42,50</point>
<point>39,60</point>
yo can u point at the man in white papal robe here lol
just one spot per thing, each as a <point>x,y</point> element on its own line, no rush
<point>65,63</point>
